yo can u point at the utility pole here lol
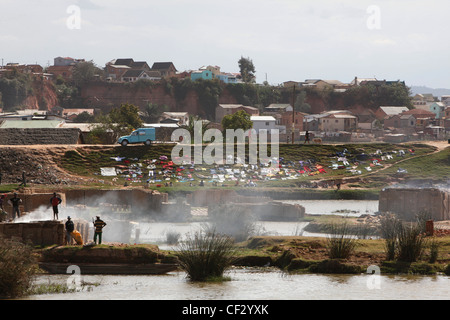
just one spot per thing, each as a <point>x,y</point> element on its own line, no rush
<point>293,113</point>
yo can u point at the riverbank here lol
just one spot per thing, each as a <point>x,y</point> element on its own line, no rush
<point>293,254</point>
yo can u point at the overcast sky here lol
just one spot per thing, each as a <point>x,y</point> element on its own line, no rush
<point>286,39</point>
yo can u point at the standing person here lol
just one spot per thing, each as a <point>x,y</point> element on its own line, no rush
<point>2,200</point>
<point>55,201</point>
<point>98,225</point>
<point>15,201</point>
<point>24,180</point>
<point>307,136</point>
<point>3,214</point>
<point>1,175</point>
<point>69,229</point>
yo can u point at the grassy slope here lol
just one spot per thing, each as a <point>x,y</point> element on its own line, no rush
<point>422,165</point>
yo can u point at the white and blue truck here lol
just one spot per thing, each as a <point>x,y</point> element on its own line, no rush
<point>141,135</point>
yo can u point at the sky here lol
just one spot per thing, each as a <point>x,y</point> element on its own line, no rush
<point>294,40</point>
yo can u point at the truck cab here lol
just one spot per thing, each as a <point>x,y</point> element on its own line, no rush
<point>141,135</point>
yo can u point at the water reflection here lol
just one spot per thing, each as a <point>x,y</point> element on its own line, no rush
<point>256,284</point>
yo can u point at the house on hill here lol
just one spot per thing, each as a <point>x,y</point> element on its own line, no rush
<point>387,111</point>
<point>278,108</point>
<point>223,110</point>
<point>400,121</point>
<point>438,109</point>
<point>133,75</point>
<point>166,69</point>
<point>338,121</point>
<point>128,70</point>
<point>420,113</point>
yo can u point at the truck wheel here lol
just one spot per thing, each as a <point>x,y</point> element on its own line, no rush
<point>148,142</point>
<point>124,143</point>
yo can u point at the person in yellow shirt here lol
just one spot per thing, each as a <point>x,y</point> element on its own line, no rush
<point>98,225</point>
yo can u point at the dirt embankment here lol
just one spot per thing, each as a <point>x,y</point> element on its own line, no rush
<point>39,162</point>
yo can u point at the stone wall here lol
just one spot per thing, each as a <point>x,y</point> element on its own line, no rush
<point>207,197</point>
<point>42,233</point>
<point>262,207</point>
<point>409,202</point>
<point>140,201</point>
<point>20,136</point>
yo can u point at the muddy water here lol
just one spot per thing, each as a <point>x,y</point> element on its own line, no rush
<point>157,232</point>
<point>255,284</point>
<point>252,284</point>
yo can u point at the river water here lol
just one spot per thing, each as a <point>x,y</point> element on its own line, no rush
<point>251,283</point>
<point>156,232</point>
<point>254,284</point>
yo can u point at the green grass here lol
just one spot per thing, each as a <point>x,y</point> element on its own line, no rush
<point>88,161</point>
<point>434,166</point>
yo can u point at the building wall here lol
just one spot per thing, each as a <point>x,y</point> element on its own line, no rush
<point>408,202</point>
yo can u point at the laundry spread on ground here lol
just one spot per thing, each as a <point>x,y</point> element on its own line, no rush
<point>162,171</point>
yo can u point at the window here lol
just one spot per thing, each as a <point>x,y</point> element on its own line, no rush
<point>267,124</point>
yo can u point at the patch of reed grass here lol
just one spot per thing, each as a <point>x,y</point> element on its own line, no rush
<point>206,256</point>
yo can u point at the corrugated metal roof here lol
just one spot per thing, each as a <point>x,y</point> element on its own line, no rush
<point>36,124</point>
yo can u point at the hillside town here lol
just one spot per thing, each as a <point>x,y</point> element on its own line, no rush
<point>300,109</point>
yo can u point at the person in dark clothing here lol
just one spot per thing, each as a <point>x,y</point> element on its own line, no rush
<point>98,225</point>
<point>55,201</point>
<point>307,136</point>
<point>338,187</point>
<point>69,229</point>
<point>3,214</point>
<point>2,200</point>
<point>24,180</point>
<point>1,176</point>
<point>15,202</point>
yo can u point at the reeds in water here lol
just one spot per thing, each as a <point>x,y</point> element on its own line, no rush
<point>206,256</point>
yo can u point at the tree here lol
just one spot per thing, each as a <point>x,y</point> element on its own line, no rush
<point>84,117</point>
<point>120,121</point>
<point>152,112</point>
<point>127,115</point>
<point>300,104</point>
<point>85,71</point>
<point>247,69</point>
<point>237,120</point>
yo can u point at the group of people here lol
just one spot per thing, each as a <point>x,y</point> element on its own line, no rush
<point>15,202</point>
<point>99,224</point>
<point>55,201</point>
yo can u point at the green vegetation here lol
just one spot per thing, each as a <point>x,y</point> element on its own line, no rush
<point>88,161</point>
<point>341,242</point>
<point>14,89</point>
<point>237,120</point>
<point>206,256</point>
<point>17,267</point>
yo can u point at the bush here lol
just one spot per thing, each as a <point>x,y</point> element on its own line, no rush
<point>411,243</point>
<point>334,266</point>
<point>341,242</point>
<point>17,267</point>
<point>389,229</point>
<point>447,270</point>
<point>434,250</point>
<point>206,256</point>
<point>405,242</point>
